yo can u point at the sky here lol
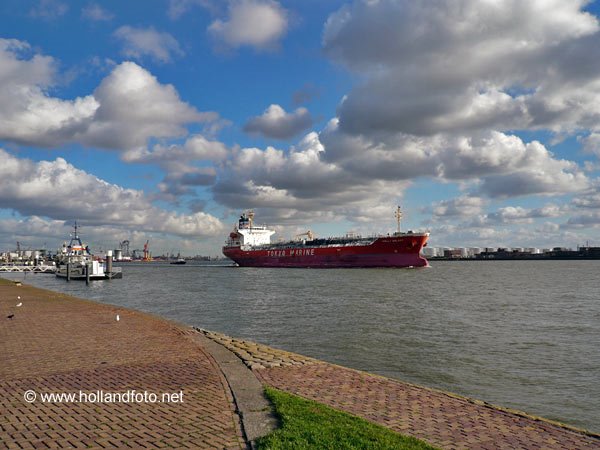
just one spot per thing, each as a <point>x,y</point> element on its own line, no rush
<point>164,120</point>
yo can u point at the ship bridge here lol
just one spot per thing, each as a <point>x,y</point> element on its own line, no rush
<point>247,234</point>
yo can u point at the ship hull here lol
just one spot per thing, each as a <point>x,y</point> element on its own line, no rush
<point>396,251</point>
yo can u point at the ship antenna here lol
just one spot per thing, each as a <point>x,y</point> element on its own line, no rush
<point>398,217</point>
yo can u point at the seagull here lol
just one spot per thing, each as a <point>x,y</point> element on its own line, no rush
<point>10,316</point>
<point>118,318</point>
<point>19,304</point>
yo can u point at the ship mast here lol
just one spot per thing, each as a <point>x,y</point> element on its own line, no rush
<point>398,215</point>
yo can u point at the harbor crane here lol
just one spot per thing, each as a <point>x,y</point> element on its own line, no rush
<point>147,256</point>
<point>124,246</point>
<point>309,234</point>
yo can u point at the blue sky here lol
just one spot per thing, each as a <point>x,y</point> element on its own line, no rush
<point>163,120</point>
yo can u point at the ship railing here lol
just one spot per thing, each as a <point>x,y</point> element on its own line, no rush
<point>253,227</point>
<point>319,243</point>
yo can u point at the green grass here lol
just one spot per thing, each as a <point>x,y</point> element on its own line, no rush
<point>310,425</point>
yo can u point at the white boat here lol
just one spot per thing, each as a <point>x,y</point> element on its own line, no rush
<point>76,262</point>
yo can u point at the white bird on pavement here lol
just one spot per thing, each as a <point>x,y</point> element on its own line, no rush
<point>19,304</point>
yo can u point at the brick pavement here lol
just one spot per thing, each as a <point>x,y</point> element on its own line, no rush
<point>56,343</point>
<point>441,419</point>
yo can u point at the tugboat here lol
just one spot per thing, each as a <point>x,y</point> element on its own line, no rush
<point>76,262</point>
<point>250,245</point>
<point>179,261</point>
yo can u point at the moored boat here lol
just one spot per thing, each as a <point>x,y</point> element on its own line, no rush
<point>250,246</point>
<point>76,262</point>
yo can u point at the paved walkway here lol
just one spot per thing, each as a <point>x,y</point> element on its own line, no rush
<point>56,343</point>
<point>444,420</point>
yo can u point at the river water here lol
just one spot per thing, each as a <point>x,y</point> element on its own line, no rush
<point>521,334</point>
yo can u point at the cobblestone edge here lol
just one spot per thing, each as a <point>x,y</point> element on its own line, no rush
<point>259,356</point>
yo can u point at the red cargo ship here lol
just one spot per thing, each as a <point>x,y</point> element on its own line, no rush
<point>250,246</point>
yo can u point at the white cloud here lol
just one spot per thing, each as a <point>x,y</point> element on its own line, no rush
<point>195,148</point>
<point>134,106</point>
<point>49,9</point>
<point>518,214</point>
<point>391,157</point>
<point>140,42</point>
<point>458,207</point>
<point>591,201</point>
<point>548,228</point>
<point>506,165</point>
<point>591,219</point>
<point>254,23</point>
<point>514,227</point>
<point>591,144</point>
<point>276,123</point>
<point>180,163</point>
<point>33,226</point>
<point>510,167</point>
<point>178,8</point>
<point>27,113</point>
<point>300,171</point>
<point>588,200</point>
<point>32,188</point>
<point>95,12</point>
<point>446,67</point>
<point>462,222</point>
<point>129,107</point>
<point>298,186</point>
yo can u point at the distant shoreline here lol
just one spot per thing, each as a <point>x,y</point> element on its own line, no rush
<point>561,254</point>
<point>516,258</point>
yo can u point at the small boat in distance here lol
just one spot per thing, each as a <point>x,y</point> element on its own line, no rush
<point>250,246</point>
<point>179,260</point>
<point>76,262</point>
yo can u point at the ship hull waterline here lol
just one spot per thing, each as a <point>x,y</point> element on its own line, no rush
<point>398,252</point>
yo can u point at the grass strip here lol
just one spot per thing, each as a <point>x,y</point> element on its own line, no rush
<point>306,424</point>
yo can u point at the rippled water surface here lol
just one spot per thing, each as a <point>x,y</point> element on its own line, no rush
<point>522,334</point>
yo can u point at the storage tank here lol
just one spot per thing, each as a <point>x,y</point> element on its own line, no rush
<point>429,252</point>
